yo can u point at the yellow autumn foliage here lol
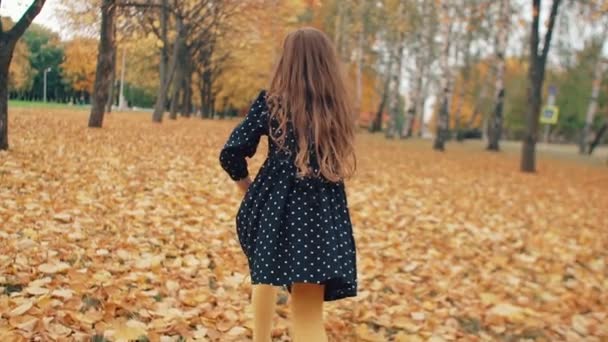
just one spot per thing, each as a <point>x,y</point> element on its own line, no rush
<point>20,74</point>
<point>253,49</point>
<point>80,63</point>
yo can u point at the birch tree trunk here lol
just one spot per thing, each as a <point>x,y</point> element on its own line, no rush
<point>598,74</point>
<point>495,123</point>
<point>443,118</point>
<point>394,102</point>
<point>376,125</point>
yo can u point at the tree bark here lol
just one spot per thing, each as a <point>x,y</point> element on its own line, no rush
<point>105,63</point>
<point>376,125</point>
<point>161,95</point>
<point>112,82</point>
<point>359,75</point>
<point>459,97</point>
<point>442,122</point>
<point>394,103</point>
<point>495,123</point>
<point>408,128</point>
<point>187,100</point>
<point>6,54</point>
<point>443,119</point>
<point>479,101</point>
<point>598,137</point>
<point>338,29</point>
<point>415,94</point>
<point>598,73</point>
<point>110,101</point>
<point>591,109</point>
<point>207,96</point>
<point>536,77</point>
<point>180,66</point>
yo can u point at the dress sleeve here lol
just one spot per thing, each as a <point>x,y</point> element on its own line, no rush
<point>244,139</point>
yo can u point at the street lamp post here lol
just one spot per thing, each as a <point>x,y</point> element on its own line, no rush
<point>44,90</point>
<point>122,104</point>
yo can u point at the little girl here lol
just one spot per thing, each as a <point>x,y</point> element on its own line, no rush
<point>293,223</point>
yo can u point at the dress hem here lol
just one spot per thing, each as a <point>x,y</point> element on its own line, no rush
<point>328,297</point>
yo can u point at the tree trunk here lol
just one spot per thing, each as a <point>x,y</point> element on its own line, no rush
<point>338,26</point>
<point>420,106</point>
<point>187,100</point>
<point>458,113</point>
<point>413,110</point>
<point>105,63</point>
<point>161,95</point>
<point>459,97</point>
<point>536,77</point>
<point>415,95</point>
<point>591,109</point>
<point>376,125</point>
<point>206,96</point>
<point>395,103</point>
<point>408,127</point>
<point>359,75</point>
<point>179,62</point>
<point>175,95</point>
<point>598,137</point>
<point>495,122</point>
<point>443,119</point>
<point>6,54</point>
<point>479,101</point>
<point>110,101</point>
<point>528,162</point>
<point>442,122</point>
<point>202,91</point>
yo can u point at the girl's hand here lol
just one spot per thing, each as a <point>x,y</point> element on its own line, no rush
<point>244,184</point>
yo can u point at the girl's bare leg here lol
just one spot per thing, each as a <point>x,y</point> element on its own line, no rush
<point>307,313</point>
<point>263,299</point>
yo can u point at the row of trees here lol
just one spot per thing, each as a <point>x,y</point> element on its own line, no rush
<point>482,63</point>
<point>68,66</point>
<point>468,61</point>
<point>202,45</point>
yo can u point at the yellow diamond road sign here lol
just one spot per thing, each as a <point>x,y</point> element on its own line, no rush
<point>549,115</point>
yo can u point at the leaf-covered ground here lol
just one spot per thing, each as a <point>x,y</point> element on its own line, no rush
<point>127,232</point>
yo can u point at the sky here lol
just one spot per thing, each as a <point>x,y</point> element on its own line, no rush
<point>16,8</point>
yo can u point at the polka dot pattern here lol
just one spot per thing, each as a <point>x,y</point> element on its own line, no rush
<point>292,230</point>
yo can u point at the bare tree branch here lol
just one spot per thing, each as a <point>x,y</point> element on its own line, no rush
<point>549,34</point>
<point>138,4</point>
<point>25,21</point>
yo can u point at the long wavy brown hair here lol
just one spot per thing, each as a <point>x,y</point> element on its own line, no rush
<point>308,90</point>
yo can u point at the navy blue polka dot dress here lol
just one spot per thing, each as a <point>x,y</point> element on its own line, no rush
<point>292,230</point>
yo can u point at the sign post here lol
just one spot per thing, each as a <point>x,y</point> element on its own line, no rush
<point>550,113</point>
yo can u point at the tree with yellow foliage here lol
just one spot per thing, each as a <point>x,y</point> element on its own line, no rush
<point>79,64</point>
<point>20,73</point>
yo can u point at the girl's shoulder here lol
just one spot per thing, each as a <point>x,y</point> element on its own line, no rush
<point>261,98</point>
<point>259,106</point>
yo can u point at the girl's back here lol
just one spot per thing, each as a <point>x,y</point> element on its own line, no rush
<point>293,224</point>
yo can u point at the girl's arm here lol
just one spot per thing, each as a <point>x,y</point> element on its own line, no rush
<point>244,184</point>
<point>243,142</point>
